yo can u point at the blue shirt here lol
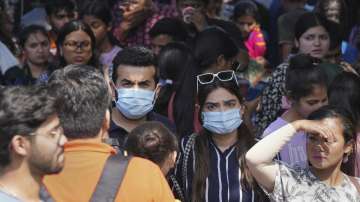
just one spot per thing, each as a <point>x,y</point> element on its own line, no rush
<point>223,183</point>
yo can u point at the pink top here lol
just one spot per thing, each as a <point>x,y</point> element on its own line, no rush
<point>256,44</point>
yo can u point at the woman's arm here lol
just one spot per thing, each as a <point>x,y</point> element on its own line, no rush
<point>260,157</point>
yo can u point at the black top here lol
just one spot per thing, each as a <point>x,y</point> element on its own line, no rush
<point>118,135</point>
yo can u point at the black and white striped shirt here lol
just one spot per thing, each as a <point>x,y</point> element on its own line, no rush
<point>223,183</point>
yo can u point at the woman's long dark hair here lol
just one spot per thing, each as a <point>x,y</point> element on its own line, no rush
<point>210,44</point>
<point>245,141</point>
<point>345,92</point>
<point>185,97</point>
<point>172,62</point>
<point>73,26</point>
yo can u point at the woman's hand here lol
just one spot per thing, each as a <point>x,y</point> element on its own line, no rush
<point>134,14</point>
<point>314,128</point>
<point>198,19</point>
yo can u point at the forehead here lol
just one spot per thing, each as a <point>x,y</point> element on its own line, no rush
<point>246,19</point>
<point>191,3</point>
<point>161,39</point>
<point>136,1</point>
<point>336,125</point>
<point>220,95</point>
<point>91,18</point>
<point>36,37</point>
<point>78,35</point>
<point>50,123</point>
<point>135,74</point>
<point>62,11</point>
<point>334,5</point>
<point>318,30</point>
<point>318,92</point>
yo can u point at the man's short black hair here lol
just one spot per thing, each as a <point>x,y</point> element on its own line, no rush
<point>54,6</point>
<point>135,57</point>
<point>22,111</point>
<point>85,99</point>
<point>173,27</point>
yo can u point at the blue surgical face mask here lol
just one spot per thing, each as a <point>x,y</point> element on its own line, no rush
<point>222,122</point>
<point>135,103</point>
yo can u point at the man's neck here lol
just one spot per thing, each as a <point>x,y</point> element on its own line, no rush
<point>123,122</point>
<point>36,70</point>
<point>19,182</point>
<point>105,46</point>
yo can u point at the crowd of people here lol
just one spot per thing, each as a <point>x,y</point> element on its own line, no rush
<point>179,100</point>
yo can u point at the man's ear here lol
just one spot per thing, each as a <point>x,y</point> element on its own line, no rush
<point>296,43</point>
<point>106,125</point>
<point>20,145</point>
<point>220,61</point>
<point>349,147</point>
<point>61,53</point>
<point>109,27</point>
<point>157,90</point>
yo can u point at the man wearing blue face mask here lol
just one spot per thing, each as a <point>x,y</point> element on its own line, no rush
<point>136,85</point>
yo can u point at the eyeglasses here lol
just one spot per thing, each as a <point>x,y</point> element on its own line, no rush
<point>73,45</point>
<point>207,78</point>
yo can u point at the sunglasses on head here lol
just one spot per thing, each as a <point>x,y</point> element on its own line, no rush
<point>206,78</point>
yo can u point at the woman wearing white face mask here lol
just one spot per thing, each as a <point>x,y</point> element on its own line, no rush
<point>208,167</point>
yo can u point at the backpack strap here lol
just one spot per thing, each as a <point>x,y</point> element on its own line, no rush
<point>111,178</point>
<point>188,148</point>
<point>355,183</point>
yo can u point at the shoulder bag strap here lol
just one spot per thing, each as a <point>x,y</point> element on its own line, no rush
<point>111,178</point>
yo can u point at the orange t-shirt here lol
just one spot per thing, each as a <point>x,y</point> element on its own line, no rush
<point>53,48</point>
<point>84,162</point>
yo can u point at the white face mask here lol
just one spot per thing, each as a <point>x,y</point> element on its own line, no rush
<point>135,103</point>
<point>222,122</point>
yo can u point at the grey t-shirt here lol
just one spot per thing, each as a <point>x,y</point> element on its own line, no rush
<point>286,25</point>
<point>300,185</point>
<point>4,197</point>
<point>44,197</point>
